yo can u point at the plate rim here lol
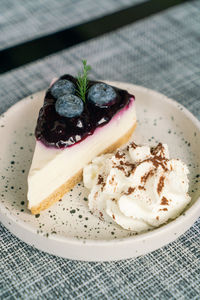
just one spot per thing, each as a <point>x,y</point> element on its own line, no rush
<point>188,213</point>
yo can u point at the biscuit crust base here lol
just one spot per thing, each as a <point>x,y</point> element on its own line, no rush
<point>69,184</point>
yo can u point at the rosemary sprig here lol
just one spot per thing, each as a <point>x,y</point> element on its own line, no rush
<point>82,80</point>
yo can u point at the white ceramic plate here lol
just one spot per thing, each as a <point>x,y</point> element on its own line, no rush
<point>68,229</point>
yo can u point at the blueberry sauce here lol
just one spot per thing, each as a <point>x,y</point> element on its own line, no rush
<point>56,131</point>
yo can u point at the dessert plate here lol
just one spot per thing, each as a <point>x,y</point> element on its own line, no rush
<point>68,229</point>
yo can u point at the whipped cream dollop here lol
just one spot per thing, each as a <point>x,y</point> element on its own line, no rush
<point>138,187</point>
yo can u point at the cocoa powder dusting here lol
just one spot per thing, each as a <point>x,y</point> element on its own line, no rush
<point>131,170</point>
<point>159,161</point>
<point>133,145</point>
<point>160,184</point>
<point>130,191</point>
<point>101,216</point>
<point>158,148</point>
<point>101,182</point>
<point>100,179</point>
<point>146,176</point>
<point>141,188</point>
<point>120,168</point>
<point>111,180</point>
<point>164,201</point>
<point>119,155</point>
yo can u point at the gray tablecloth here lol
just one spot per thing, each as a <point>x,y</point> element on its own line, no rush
<point>24,20</point>
<point>163,53</point>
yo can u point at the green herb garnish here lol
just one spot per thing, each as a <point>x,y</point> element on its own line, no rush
<point>82,80</point>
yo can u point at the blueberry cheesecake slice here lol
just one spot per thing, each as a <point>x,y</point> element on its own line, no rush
<point>79,120</point>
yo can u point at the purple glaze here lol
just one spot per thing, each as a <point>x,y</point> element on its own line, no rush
<point>61,132</point>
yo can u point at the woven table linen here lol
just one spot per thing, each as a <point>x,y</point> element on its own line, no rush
<point>161,52</point>
<point>25,20</point>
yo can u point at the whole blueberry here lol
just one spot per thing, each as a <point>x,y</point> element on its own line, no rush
<point>69,106</point>
<point>102,95</point>
<point>62,87</point>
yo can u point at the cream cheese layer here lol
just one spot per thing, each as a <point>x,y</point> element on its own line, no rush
<point>53,167</point>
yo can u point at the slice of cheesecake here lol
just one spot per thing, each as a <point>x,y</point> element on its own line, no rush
<point>70,132</point>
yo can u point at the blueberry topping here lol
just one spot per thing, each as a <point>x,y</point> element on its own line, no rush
<point>102,95</point>
<point>62,87</point>
<point>63,122</point>
<point>69,106</point>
